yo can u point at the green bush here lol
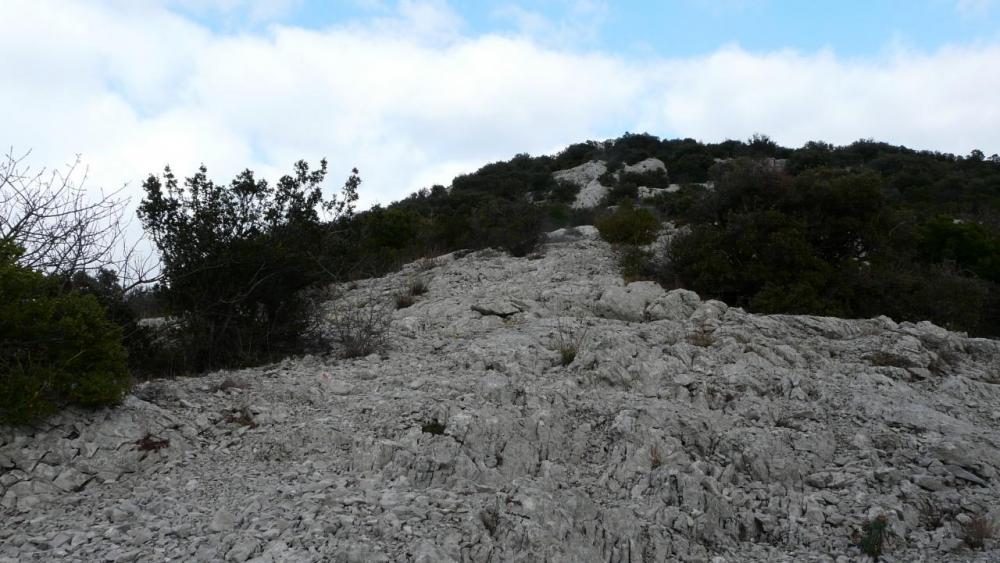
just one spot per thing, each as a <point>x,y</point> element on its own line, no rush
<point>629,225</point>
<point>145,356</point>
<point>57,347</point>
<point>236,258</point>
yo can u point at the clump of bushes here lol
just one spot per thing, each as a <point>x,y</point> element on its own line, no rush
<point>832,242</point>
<point>58,347</point>
<point>628,225</point>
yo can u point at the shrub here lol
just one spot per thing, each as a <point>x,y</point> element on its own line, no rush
<point>146,356</point>
<point>406,298</point>
<point>636,264</point>
<point>150,443</point>
<point>568,342</point>
<point>433,427</point>
<point>701,337</point>
<point>359,328</point>
<point>655,458</point>
<point>241,416</point>
<point>417,287</point>
<point>237,256</point>
<point>629,225</point>
<point>57,347</point>
<point>977,530</point>
<point>564,192</point>
<point>872,538</point>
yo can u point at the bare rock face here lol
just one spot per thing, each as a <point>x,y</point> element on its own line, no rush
<point>646,165</point>
<point>586,177</point>
<point>679,430</point>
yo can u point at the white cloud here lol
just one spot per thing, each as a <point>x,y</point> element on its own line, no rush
<point>974,8</point>
<point>411,99</point>
<point>580,23</point>
<point>255,11</point>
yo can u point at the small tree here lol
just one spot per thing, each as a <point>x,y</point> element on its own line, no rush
<point>236,256</point>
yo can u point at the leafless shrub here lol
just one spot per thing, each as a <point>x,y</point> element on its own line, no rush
<point>932,516</point>
<point>150,443</point>
<point>417,286</point>
<point>360,327</point>
<point>426,264</point>
<point>655,458</point>
<point>241,416</point>
<point>702,337</point>
<point>978,530</point>
<point>65,228</point>
<point>404,300</point>
<point>414,288</point>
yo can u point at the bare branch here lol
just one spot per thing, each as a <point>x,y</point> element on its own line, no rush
<point>62,228</point>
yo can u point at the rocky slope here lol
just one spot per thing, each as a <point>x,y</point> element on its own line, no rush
<point>680,430</point>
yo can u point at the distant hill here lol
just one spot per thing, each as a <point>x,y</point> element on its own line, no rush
<point>858,230</point>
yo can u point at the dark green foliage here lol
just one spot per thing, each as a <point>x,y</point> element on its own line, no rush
<point>630,148</point>
<point>833,242</point>
<point>683,205</point>
<point>564,192</point>
<point>577,154</point>
<point>969,246</point>
<point>628,225</point>
<point>57,347</point>
<point>872,539</point>
<point>636,264</point>
<point>566,355</point>
<point>433,427</point>
<point>511,179</point>
<point>236,257</point>
<point>145,357</point>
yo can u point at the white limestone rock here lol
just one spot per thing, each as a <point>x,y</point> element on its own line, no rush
<point>646,165</point>
<point>586,177</point>
<point>628,303</point>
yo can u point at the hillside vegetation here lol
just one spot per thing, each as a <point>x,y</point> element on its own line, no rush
<point>860,230</point>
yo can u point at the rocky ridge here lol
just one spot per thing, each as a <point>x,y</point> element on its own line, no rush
<point>678,429</point>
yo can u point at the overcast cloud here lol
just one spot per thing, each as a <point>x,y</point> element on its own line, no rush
<point>412,98</point>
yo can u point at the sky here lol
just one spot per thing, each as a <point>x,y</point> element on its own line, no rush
<point>413,92</point>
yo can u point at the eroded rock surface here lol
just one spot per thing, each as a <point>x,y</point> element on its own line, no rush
<point>681,430</point>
